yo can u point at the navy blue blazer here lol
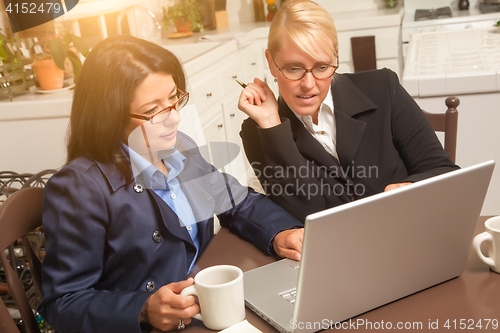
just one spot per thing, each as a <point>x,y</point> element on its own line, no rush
<point>108,247</point>
<point>383,137</point>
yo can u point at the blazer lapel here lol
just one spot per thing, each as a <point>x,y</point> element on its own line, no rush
<point>193,187</point>
<point>348,102</point>
<point>307,145</point>
<point>171,219</point>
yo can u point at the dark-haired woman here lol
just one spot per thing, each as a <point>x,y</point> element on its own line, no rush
<point>127,217</point>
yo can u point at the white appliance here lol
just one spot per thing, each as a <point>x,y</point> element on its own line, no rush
<point>474,17</point>
<point>466,64</point>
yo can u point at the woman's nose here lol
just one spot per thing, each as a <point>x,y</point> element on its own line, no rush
<point>308,80</point>
<point>173,118</point>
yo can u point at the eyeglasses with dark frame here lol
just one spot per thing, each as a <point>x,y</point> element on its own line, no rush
<point>296,72</point>
<point>163,114</point>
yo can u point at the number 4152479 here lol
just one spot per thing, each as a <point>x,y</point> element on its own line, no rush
<point>471,324</point>
<point>33,8</point>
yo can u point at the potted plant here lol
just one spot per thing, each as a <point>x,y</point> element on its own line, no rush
<point>51,55</point>
<point>391,3</point>
<point>186,15</point>
<point>15,75</point>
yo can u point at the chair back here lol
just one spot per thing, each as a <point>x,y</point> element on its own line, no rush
<point>10,182</point>
<point>364,56</point>
<point>447,122</point>
<point>20,214</point>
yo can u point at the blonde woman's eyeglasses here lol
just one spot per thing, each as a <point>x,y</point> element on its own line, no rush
<point>296,72</point>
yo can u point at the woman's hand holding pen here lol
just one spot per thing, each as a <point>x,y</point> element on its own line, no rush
<point>258,102</point>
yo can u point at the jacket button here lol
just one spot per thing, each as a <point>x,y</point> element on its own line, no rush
<point>138,188</point>
<point>209,199</point>
<point>157,236</point>
<point>151,286</point>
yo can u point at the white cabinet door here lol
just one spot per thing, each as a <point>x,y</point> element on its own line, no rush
<point>230,70</point>
<point>239,167</point>
<point>233,117</point>
<point>205,89</point>
<point>250,57</point>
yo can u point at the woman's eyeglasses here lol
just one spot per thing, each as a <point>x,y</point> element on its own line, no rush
<point>162,115</point>
<point>296,72</point>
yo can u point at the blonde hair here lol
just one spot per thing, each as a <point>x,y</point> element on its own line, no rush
<point>308,25</point>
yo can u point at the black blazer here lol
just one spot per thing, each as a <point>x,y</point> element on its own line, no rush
<point>382,138</point>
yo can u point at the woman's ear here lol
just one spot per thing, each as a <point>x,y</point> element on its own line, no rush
<point>270,62</point>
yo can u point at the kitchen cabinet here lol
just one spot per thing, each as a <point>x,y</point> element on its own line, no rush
<point>215,93</point>
<point>264,73</point>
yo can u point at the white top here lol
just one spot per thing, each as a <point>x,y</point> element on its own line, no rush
<point>326,130</point>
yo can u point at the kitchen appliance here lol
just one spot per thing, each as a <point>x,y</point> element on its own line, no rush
<point>445,15</point>
<point>489,6</point>
<point>466,64</point>
<point>430,14</point>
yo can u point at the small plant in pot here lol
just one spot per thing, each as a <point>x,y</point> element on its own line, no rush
<point>185,15</point>
<point>51,56</point>
<point>15,74</point>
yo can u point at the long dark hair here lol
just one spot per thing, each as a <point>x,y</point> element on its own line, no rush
<point>100,113</point>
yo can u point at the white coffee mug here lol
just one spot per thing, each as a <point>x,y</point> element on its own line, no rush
<point>220,294</point>
<point>491,235</point>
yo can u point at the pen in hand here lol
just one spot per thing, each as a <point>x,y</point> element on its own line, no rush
<point>241,83</point>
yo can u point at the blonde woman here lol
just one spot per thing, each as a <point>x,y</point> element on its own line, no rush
<point>330,138</point>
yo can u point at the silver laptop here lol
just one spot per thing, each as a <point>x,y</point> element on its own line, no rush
<point>367,253</point>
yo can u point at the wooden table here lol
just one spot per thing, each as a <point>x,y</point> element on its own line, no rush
<point>473,296</point>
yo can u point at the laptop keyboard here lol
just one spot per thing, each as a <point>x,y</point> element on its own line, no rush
<point>289,295</point>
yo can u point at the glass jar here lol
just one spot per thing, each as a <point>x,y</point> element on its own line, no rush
<point>258,8</point>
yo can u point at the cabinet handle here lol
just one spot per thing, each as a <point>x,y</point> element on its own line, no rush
<point>235,77</point>
<point>209,95</point>
<point>219,126</point>
<point>253,64</point>
<point>232,115</point>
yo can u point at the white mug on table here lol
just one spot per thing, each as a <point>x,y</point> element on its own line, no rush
<point>492,236</point>
<point>220,294</point>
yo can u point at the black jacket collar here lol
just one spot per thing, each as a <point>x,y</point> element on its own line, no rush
<point>349,101</point>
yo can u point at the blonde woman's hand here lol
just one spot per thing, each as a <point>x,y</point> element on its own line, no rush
<point>395,186</point>
<point>166,306</point>
<point>258,102</point>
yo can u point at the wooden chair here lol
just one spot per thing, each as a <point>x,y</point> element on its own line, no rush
<point>447,122</point>
<point>10,182</point>
<point>363,53</point>
<point>364,58</point>
<point>39,179</point>
<point>20,214</point>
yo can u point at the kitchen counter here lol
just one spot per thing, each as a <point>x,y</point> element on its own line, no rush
<point>368,19</point>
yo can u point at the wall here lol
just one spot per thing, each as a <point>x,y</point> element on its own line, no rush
<point>242,11</point>
<point>342,6</point>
